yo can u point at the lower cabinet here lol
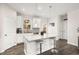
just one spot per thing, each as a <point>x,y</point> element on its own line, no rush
<point>20,38</point>
<point>34,46</point>
<point>46,45</point>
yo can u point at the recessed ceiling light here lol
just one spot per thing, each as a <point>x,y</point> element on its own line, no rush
<point>39,8</point>
<point>50,6</point>
<point>23,9</point>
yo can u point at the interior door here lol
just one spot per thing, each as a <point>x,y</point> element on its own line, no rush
<point>64,29</point>
<point>9,32</point>
<point>63,26</point>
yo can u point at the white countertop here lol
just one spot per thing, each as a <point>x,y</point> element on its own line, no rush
<point>35,37</point>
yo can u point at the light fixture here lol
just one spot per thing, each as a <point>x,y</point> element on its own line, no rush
<point>39,8</point>
<point>23,9</point>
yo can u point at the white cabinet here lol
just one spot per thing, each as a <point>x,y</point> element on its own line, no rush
<point>32,44</point>
<point>45,45</point>
<point>51,43</point>
<point>32,48</point>
<point>20,22</point>
<point>36,22</point>
<point>20,38</point>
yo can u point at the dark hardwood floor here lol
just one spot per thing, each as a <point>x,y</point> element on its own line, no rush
<point>15,50</point>
<point>62,47</point>
<point>66,50</point>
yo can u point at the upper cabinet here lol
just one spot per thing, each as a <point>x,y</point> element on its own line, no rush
<point>19,21</point>
<point>30,24</point>
<point>36,22</point>
<point>19,24</point>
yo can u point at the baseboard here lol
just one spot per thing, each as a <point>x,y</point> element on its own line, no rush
<point>2,51</point>
<point>25,52</point>
<point>72,44</point>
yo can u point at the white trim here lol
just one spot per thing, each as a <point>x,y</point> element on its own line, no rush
<point>72,43</point>
<point>3,50</point>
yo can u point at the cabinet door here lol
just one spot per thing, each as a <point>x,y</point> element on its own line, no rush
<point>51,43</point>
<point>36,23</point>
<point>45,45</point>
<point>20,38</point>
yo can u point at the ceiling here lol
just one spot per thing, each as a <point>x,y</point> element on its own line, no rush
<point>42,9</point>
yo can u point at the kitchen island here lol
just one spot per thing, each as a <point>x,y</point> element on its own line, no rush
<point>35,44</point>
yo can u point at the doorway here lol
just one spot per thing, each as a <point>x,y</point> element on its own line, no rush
<point>63,26</point>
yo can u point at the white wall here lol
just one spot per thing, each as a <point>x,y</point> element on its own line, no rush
<point>59,27</point>
<point>1,30</point>
<point>8,27</point>
<point>54,30</point>
<point>62,26</point>
<point>73,24</point>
